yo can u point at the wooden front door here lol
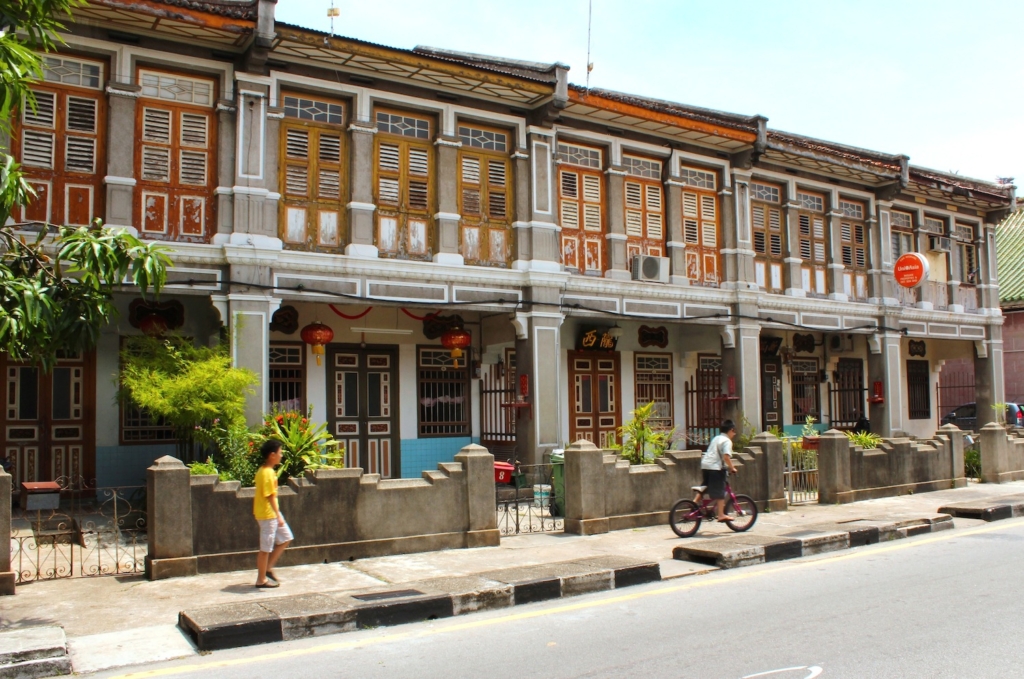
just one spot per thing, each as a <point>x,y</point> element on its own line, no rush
<point>771,391</point>
<point>595,405</point>
<point>363,405</point>
<point>48,420</point>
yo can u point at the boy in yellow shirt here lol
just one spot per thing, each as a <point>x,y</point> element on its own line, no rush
<point>275,535</point>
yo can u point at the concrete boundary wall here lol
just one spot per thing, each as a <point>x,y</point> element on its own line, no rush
<point>7,576</point>
<point>603,492</point>
<point>848,473</point>
<point>200,525</point>
<point>1002,455</point>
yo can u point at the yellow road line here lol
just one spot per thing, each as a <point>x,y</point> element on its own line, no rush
<point>580,605</point>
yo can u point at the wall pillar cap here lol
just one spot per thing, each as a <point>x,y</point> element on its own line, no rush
<point>473,449</point>
<point>765,436</point>
<point>167,462</point>
<point>582,445</point>
<point>833,434</point>
<point>950,427</point>
<point>993,426</point>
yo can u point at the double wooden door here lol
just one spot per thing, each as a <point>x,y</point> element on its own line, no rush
<point>596,409</point>
<point>363,405</point>
<point>48,420</point>
<point>771,391</point>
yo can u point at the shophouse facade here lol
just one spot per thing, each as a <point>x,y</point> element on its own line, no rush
<point>603,250</point>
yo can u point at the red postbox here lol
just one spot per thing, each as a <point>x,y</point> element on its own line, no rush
<point>503,472</point>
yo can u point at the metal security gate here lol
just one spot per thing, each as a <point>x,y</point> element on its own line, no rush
<point>846,394</point>
<point>703,402</point>
<point>533,503</point>
<point>497,421</point>
<point>952,390</point>
<point>95,531</point>
<point>801,473</point>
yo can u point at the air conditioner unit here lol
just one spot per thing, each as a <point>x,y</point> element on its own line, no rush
<point>653,269</point>
<point>839,343</point>
<point>938,244</point>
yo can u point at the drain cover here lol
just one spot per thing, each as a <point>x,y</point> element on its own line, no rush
<point>394,594</point>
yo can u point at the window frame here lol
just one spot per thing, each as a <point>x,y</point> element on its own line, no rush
<point>484,224</point>
<point>854,249</point>
<point>646,242</point>
<point>313,203</point>
<point>55,184</point>
<point>814,270</point>
<point>174,191</point>
<point>406,243</point>
<point>920,390</point>
<point>584,247</point>
<point>695,224</point>
<point>300,366</point>
<point>423,428</point>
<point>668,422</point>
<point>901,235</point>
<point>768,263</point>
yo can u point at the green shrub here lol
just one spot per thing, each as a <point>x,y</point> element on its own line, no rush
<point>972,463</point>
<point>865,440</point>
<point>203,468</point>
<point>236,452</point>
<point>641,441</point>
<point>301,439</point>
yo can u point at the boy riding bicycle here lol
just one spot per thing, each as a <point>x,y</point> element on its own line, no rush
<point>713,463</point>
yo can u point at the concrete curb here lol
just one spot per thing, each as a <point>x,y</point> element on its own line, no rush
<point>1007,508</point>
<point>744,549</point>
<point>305,615</point>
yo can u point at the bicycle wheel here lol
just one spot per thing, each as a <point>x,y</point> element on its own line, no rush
<point>745,511</point>
<point>684,518</point>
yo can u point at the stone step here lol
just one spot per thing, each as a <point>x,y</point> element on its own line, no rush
<point>33,652</point>
<point>306,615</point>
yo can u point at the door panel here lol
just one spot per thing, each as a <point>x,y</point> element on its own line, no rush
<point>362,408</point>
<point>595,406</point>
<point>48,428</point>
<point>771,391</point>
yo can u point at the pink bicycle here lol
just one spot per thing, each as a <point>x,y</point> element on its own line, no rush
<point>686,516</point>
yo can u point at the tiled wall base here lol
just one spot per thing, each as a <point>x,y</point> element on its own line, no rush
<point>419,455</point>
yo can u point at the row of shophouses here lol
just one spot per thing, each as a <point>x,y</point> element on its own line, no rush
<point>602,250</point>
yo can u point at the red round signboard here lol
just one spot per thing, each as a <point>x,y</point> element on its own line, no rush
<point>911,269</point>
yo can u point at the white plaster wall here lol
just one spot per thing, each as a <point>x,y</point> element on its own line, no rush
<point>407,390</point>
<point>108,421</point>
<point>316,386</point>
<point>937,351</point>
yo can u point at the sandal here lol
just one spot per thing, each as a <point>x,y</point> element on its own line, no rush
<point>725,519</point>
<point>267,585</point>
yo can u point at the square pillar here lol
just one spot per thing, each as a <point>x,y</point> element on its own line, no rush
<point>7,577</point>
<point>361,206</point>
<point>226,135</point>
<point>538,356</point>
<point>120,177</point>
<point>675,246</point>
<point>584,489</point>
<point>745,278</point>
<point>618,266</point>
<point>169,520</point>
<point>250,315</point>
<point>989,378</point>
<point>794,265</point>
<point>537,231</point>
<point>884,365</point>
<point>835,253</point>
<point>448,218</point>
<point>741,362</point>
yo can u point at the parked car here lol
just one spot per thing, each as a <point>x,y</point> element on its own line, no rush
<point>966,416</point>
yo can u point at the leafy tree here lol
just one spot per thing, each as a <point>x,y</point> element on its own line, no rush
<point>190,388</point>
<point>56,282</point>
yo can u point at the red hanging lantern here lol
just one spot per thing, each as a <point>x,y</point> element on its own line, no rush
<point>153,325</point>
<point>456,339</point>
<point>317,335</point>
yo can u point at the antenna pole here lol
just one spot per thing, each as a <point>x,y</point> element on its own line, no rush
<point>590,16</point>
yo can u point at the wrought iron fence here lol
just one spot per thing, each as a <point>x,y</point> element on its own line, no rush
<point>532,503</point>
<point>801,474</point>
<point>94,532</point>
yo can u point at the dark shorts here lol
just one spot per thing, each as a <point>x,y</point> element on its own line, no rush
<point>714,479</point>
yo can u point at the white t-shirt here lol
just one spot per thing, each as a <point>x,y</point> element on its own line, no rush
<point>713,458</point>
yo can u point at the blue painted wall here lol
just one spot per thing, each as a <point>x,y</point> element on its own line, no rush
<point>126,465</point>
<point>419,455</point>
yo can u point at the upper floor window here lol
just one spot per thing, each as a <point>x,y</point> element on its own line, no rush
<point>854,248</point>
<point>313,183</point>
<point>175,160</point>
<point>766,220</point>
<point>902,225</point>
<point>404,184</point>
<point>965,254</point>
<point>485,196</point>
<point>581,208</point>
<point>644,206</point>
<point>934,225</point>
<point>811,232</point>
<point>60,143</point>
<point>700,226</point>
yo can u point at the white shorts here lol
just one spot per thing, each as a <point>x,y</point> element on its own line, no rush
<point>272,534</point>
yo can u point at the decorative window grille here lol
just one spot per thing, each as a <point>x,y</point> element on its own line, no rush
<point>901,220</point>
<point>965,263</point>
<point>175,158</point>
<point>854,249</point>
<point>313,182</point>
<point>138,426</point>
<point>918,390</point>
<point>404,185</point>
<point>60,144</point>
<point>963,232</point>
<point>287,378</point>
<point>485,197</point>
<point>933,225</point>
<point>581,208</point>
<point>813,243</point>
<point>483,139</point>
<point>701,227</point>
<point>766,219</point>
<point>653,379</point>
<point>583,156</point>
<point>443,393</point>
<point>698,179</point>
<point>644,208</point>
<point>806,390</point>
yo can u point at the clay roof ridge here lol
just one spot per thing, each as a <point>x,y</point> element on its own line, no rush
<point>235,9</point>
<point>892,160</point>
<point>474,58</point>
<point>748,122</point>
<point>953,178</point>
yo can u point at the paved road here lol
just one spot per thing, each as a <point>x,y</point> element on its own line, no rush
<point>943,605</point>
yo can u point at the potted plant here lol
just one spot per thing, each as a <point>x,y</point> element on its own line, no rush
<point>810,439</point>
<point>642,442</point>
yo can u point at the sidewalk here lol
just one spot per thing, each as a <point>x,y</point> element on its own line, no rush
<point>115,621</point>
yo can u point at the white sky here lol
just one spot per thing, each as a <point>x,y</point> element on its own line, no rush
<point>940,81</point>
